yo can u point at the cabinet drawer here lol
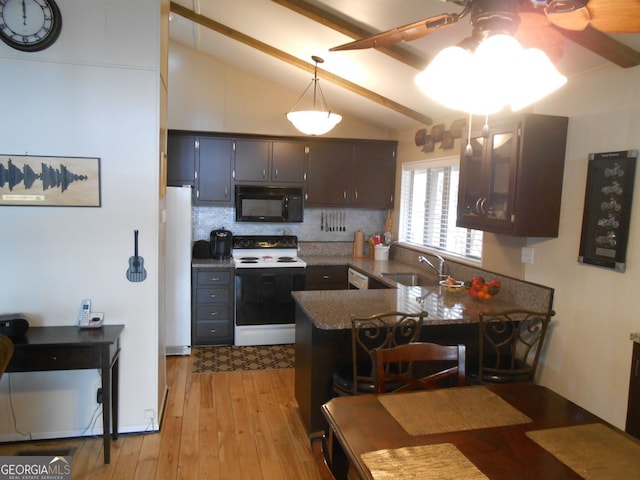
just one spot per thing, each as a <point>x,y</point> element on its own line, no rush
<point>329,277</point>
<point>213,312</point>
<point>213,329</point>
<point>51,358</point>
<point>212,295</point>
<point>213,277</point>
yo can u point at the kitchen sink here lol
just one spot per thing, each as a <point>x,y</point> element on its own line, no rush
<point>410,279</point>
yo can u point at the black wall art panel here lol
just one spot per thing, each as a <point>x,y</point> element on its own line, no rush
<point>607,209</point>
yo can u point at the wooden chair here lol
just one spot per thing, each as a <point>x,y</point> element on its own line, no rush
<point>319,450</point>
<point>382,330</point>
<point>509,345</point>
<point>6,352</point>
<point>421,366</point>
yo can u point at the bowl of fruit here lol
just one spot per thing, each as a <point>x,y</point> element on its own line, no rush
<point>451,285</point>
<point>481,290</point>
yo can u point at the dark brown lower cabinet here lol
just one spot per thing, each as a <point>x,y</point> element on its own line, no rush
<point>326,277</point>
<point>633,408</point>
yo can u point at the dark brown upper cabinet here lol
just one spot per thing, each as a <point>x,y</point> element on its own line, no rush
<point>266,161</point>
<point>512,182</point>
<point>202,161</point>
<point>358,174</point>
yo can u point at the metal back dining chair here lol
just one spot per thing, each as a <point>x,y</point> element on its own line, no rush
<point>421,366</point>
<point>509,345</point>
<point>382,330</point>
<point>320,457</point>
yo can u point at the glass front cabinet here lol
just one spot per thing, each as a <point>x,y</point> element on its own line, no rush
<point>511,182</point>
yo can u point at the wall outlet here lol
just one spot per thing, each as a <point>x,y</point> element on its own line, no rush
<point>527,255</point>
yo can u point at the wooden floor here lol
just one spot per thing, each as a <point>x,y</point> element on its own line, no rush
<point>228,426</point>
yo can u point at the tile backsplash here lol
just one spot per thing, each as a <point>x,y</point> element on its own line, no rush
<point>207,218</point>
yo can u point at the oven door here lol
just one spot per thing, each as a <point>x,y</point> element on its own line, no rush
<point>263,295</point>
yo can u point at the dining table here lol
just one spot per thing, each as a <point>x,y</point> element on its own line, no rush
<point>492,431</point>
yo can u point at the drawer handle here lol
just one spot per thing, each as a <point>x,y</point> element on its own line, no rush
<point>213,314</point>
<point>326,277</point>
<point>213,330</point>
<point>55,359</point>
<point>214,295</point>
<point>215,279</point>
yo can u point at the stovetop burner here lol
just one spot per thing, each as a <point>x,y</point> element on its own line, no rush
<point>260,251</point>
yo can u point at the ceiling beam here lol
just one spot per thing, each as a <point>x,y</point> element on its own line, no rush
<point>350,29</point>
<point>295,61</point>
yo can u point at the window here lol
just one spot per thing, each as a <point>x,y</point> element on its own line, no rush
<point>428,203</point>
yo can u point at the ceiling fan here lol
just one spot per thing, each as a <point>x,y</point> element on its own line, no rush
<point>535,23</point>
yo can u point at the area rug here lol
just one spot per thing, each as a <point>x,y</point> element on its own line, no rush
<point>229,358</point>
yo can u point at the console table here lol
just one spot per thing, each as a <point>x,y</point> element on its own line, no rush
<point>44,349</point>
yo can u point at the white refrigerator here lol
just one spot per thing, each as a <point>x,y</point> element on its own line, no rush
<point>178,271</point>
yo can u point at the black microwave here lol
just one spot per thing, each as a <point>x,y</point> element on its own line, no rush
<point>268,204</point>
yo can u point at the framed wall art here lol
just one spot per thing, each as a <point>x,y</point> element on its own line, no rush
<point>607,209</point>
<point>49,181</point>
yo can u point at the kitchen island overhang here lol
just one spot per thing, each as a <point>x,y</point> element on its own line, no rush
<point>323,332</point>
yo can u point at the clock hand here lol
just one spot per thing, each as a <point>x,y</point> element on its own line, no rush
<point>24,13</point>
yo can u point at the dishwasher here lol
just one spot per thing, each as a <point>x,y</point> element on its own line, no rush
<point>357,280</point>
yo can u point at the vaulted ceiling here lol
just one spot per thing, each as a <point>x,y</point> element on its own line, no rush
<point>275,40</point>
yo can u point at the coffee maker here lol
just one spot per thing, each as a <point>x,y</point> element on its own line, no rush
<point>221,244</point>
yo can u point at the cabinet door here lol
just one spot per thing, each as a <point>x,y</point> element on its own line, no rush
<point>633,410</point>
<point>288,162</point>
<point>373,175</point>
<point>214,171</point>
<point>487,181</point>
<point>181,160</point>
<point>252,160</point>
<point>329,174</point>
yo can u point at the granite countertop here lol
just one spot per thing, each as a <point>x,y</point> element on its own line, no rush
<point>211,263</point>
<point>332,309</point>
<point>368,266</point>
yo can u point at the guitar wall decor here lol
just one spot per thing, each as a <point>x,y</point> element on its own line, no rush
<point>136,271</point>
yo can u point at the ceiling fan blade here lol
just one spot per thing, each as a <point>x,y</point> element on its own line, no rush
<point>611,16</point>
<point>536,31</point>
<point>407,33</point>
<point>605,46</point>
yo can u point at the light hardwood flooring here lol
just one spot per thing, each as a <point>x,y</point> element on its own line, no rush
<point>227,426</point>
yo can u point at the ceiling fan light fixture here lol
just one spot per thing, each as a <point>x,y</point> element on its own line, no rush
<point>538,78</point>
<point>498,73</point>
<point>317,121</point>
<point>444,80</point>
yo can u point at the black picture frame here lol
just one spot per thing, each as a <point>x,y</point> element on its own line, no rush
<point>607,209</point>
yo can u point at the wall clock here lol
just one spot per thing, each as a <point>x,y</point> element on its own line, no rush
<point>29,25</point>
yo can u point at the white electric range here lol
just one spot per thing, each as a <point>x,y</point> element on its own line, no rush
<point>267,270</point>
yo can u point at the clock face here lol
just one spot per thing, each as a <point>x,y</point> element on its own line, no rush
<point>29,25</point>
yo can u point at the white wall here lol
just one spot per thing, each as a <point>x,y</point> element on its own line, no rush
<point>207,95</point>
<point>588,355</point>
<point>94,93</point>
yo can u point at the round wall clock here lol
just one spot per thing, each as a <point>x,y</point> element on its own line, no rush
<point>29,25</point>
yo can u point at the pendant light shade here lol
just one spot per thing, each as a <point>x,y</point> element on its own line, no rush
<point>499,72</point>
<point>317,121</point>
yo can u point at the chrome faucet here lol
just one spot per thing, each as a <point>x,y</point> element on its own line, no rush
<point>439,270</point>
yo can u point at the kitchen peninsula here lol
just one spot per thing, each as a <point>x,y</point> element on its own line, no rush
<point>323,326</point>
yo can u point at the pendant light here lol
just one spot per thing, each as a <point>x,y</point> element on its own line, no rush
<point>319,120</point>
